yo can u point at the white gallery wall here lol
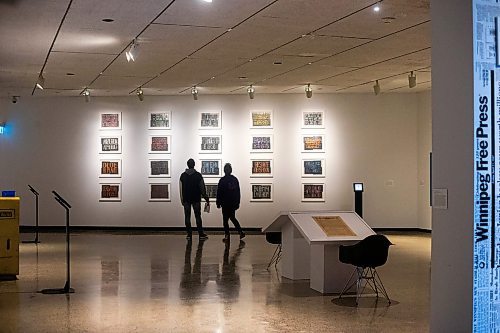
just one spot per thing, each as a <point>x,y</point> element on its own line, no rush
<point>52,143</point>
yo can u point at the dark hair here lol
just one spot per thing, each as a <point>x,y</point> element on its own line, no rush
<point>190,163</point>
<point>228,169</point>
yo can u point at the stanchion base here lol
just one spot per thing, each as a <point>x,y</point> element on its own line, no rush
<point>57,291</point>
<point>31,242</point>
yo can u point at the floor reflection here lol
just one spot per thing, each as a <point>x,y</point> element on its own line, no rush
<point>162,283</point>
<point>193,282</point>
<point>228,281</point>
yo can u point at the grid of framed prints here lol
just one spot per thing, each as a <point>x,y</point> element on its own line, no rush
<point>262,192</point>
<point>261,148</point>
<point>313,161</point>
<point>159,168</point>
<point>160,120</point>
<point>110,191</point>
<point>261,119</point>
<point>261,143</point>
<point>111,120</point>
<point>313,192</point>
<point>159,149</point>
<point>159,191</point>
<point>159,144</point>
<point>210,144</point>
<point>314,168</point>
<point>211,189</point>
<point>313,119</point>
<point>110,164</point>
<point>211,120</point>
<point>211,168</point>
<point>261,168</point>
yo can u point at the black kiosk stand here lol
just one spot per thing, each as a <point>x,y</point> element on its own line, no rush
<point>67,289</point>
<point>358,198</point>
<point>35,192</point>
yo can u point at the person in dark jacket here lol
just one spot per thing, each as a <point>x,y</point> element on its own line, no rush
<point>192,189</point>
<point>228,197</point>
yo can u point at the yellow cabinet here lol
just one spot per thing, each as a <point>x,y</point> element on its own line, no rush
<point>9,236</point>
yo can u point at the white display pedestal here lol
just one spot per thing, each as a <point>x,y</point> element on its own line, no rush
<point>308,253</point>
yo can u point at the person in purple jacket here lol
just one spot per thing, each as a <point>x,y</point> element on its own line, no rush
<point>228,197</point>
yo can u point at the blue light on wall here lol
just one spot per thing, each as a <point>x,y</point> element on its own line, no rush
<point>2,127</point>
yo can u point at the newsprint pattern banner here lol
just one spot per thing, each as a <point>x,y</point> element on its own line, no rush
<point>486,278</point>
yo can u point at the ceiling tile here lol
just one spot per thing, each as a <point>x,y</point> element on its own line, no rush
<point>224,14</point>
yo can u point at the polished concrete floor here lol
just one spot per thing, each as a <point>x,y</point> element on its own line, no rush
<point>162,283</point>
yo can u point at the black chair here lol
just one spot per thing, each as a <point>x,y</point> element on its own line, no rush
<point>366,255</point>
<point>274,238</point>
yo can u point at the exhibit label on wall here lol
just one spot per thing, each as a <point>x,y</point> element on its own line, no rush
<point>486,273</point>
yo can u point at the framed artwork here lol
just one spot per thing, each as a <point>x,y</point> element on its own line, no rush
<point>111,168</point>
<point>110,120</point>
<point>313,167</point>
<point>110,192</point>
<point>210,120</point>
<point>159,192</point>
<point>211,190</point>
<point>262,192</point>
<point>261,119</point>
<point>159,168</point>
<point>210,144</point>
<point>313,143</point>
<point>160,120</point>
<point>261,143</point>
<point>159,144</point>
<point>262,168</point>
<point>110,144</point>
<point>313,192</point>
<point>211,168</point>
<point>313,119</point>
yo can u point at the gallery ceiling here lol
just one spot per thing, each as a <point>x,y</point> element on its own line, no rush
<point>221,47</point>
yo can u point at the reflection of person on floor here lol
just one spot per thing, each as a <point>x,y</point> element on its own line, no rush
<point>228,197</point>
<point>192,283</point>
<point>228,281</point>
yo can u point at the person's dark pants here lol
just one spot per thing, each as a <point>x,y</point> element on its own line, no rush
<point>228,213</point>
<point>197,216</point>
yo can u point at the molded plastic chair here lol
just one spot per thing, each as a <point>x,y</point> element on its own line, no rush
<point>274,238</point>
<point>366,255</point>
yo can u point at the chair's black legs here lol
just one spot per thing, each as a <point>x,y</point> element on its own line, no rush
<point>378,281</point>
<point>276,257</point>
<point>348,284</point>
<point>370,277</point>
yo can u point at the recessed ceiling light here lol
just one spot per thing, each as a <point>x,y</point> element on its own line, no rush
<point>108,20</point>
<point>207,0</point>
<point>376,8</point>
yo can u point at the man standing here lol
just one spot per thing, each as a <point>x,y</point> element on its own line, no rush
<point>192,189</point>
<point>228,197</point>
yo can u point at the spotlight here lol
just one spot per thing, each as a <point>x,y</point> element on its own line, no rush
<point>376,8</point>
<point>194,92</point>
<point>40,82</point>
<point>86,94</point>
<point>14,99</point>
<point>251,92</point>
<point>140,94</point>
<point>412,80</point>
<point>376,88</point>
<point>132,52</point>
<point>309,91</point>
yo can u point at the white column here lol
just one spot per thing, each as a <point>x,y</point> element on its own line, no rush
<point>452,147</point>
